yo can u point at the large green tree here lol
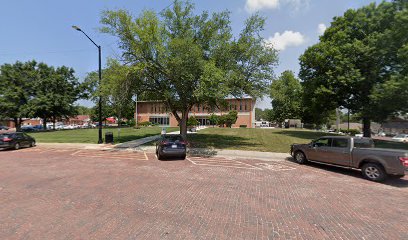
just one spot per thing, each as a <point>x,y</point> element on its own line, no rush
<point>55,91</point>
<point>116,90</point>
<point>286,95</point>
<point>16,90</point>
<point>186,59</point>
<point>360,63</point>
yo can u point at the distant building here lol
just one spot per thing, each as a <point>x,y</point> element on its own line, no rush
<point>78,120</point>
<point>395,126</point>
<point>157,112</point>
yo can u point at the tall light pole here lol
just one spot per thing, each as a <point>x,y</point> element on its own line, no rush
<point>100,79</point>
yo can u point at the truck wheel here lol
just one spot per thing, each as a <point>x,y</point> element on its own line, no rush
<point>300,157</point>
<point>373,172</point>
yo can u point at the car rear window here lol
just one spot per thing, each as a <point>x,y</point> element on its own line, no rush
<point>363,143</point>
<point>173,138</point>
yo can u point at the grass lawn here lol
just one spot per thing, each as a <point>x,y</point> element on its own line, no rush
<point>91,135</point>
<point>265,140</point>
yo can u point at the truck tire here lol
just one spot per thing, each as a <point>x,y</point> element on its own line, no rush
<point>373,172</point>
<point>300,157</point>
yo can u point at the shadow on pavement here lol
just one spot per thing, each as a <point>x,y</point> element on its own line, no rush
<point>391,181</point>
<point>202,152</point>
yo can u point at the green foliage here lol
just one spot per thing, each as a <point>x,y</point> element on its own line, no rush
<point>16,87</point>
<point>192,121</point>
<point>213,119</point>
<point>230,118</point>
<point>351,132</point>
<point>186,59</point>
<point>265,114</point>
<point>116,90</point>
<point>360,63</point>
<point>145,124</point>
<point>37,90</point>
<point>82,110</point>
<point>131,122</point>
<point>286,93</point>
<point>242,126</point>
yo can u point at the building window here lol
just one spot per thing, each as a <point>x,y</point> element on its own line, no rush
<point>152,109</point>
<point>162,121</point>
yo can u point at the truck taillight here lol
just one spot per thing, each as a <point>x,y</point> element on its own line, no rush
<point>404,161</point>
<point>6,139</point>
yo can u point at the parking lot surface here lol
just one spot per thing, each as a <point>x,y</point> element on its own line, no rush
<point>50,193</point>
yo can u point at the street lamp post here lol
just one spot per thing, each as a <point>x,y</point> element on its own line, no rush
<point>100,79</point>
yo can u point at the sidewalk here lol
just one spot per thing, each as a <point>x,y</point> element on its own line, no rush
<point>138,142</point>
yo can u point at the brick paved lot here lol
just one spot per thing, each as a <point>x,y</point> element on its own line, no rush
<point>88,194</point>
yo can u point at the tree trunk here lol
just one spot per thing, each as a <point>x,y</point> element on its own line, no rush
<point>183,124</point>
<point>44,123</point>
<point>366,127</point>
<point>17,123</point>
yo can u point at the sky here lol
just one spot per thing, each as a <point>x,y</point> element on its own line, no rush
<point>41,30</point>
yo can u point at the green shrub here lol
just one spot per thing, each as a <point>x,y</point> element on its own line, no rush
<point>351,132</point>
<point>131,122</point>
<point>144,124</point>
<point>242,126</point>
<point>192,121</point>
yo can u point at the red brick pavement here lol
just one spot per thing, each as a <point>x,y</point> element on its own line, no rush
<point>88,194</point>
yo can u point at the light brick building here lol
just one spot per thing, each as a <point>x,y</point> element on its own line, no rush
<point>156,112</point>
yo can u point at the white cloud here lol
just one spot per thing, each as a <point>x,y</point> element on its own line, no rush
<point>255,5</point>
<point>286,39</point>
<point>321,28</point>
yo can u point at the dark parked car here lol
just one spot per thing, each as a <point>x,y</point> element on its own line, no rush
<point>16,140</point>
<point>172,145</point>
<point>28,128</point>
<point>4,128</point>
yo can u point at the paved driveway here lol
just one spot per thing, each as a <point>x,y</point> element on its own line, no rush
<point>50,193</point>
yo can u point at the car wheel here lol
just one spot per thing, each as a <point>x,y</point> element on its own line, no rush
<point>183,156</point>
<point>373,172</point>
<point>32,144</point>
<point>159,156</point>
<point>300,157</point>
<point>17,146</point>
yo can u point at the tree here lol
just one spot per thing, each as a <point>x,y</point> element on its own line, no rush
<point>213,119</point>
<point>82,110</point>
<point>360,64</point>
<point>286,93</point>
<point>230,118</point>
<point>16,82</point>
<point>192,121</point>
<point>186,59</point>
<point>54,93</point>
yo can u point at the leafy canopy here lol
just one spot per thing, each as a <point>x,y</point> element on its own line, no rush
<point>186,59</point>
<point>360,63</point>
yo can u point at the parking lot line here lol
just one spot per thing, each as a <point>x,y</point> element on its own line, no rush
<point>112,155</point>
<point>219,162</point>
